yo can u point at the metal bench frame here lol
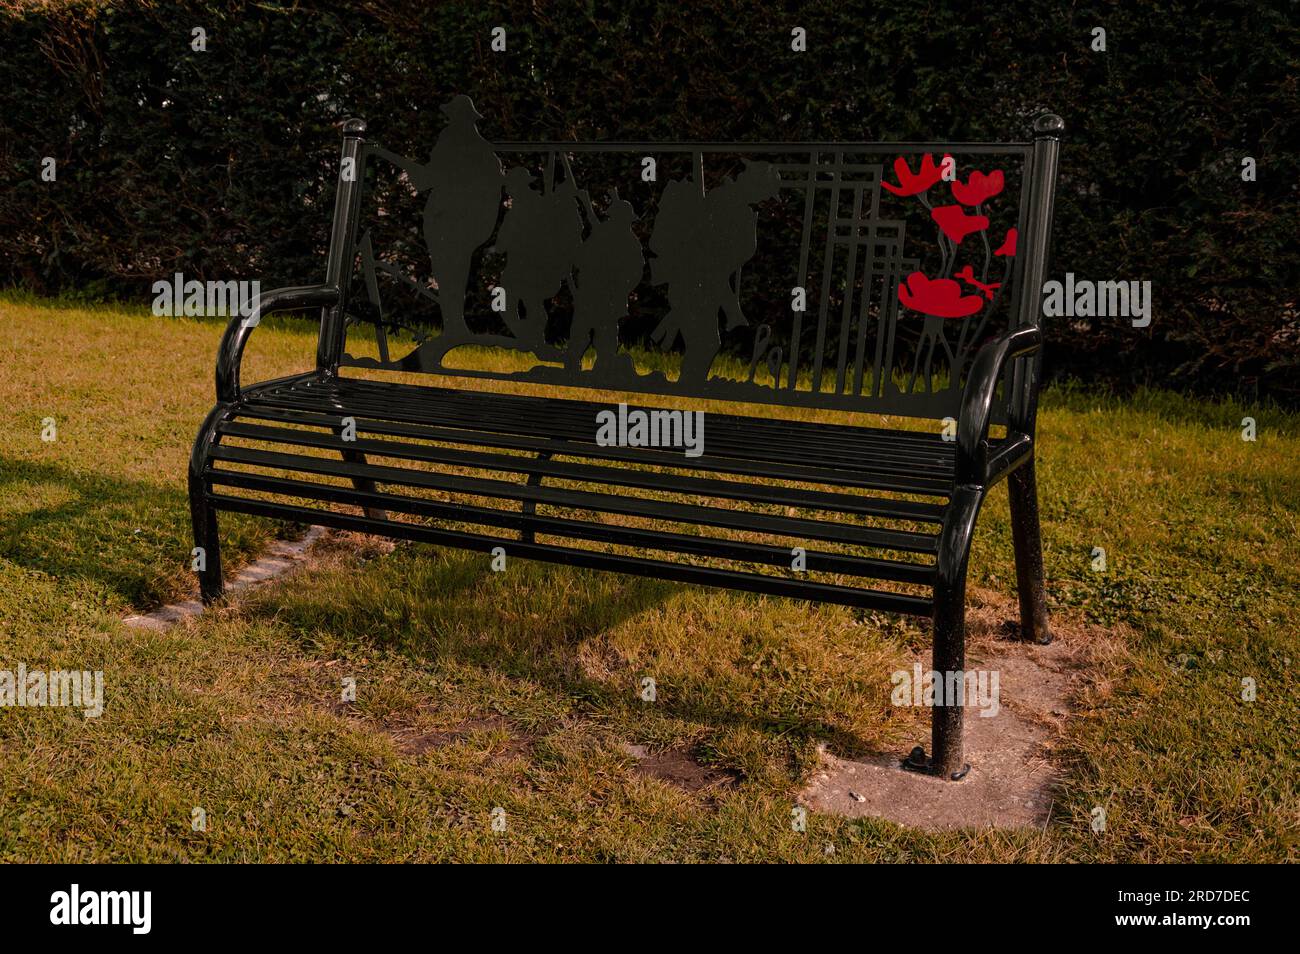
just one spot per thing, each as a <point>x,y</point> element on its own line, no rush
<point>976,462</point>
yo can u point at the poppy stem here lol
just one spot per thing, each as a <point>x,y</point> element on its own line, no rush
<point>984,236</point>
<point>943,247</point>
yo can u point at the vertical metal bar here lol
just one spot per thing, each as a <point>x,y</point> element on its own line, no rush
<point>828,267</point>
<point>372,292</point>
<point>796,331</point>
<point>883,371</point>
<point>864,306</point>
<point>846,311</point>
<point>1042,190</point>
<point>343,237</point>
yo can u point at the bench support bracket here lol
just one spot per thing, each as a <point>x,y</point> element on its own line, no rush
<point>363,484</point>
<point>530,506</point>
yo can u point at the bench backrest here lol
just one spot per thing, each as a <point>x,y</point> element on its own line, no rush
<point>849,276</point>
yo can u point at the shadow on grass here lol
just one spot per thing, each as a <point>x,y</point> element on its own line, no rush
<point>542,625</point>
<point>131,539</point>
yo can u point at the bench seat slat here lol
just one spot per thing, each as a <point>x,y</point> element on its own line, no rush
<point>356,387</point>
<point>673,483</point>
<point>639,566</point>
<point>635,455</point>
<point>719,547</point>
<point>832,440</point>
<point>449,428</point>
<point>808,440</point>
<point>927,469</point>
<point>794,527</point>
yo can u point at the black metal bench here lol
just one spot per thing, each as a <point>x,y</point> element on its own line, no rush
<point>843,274</point>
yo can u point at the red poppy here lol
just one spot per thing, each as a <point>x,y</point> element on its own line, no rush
<point>909,184</point>
<point>940,297</point>
<point>978,188</point>
<point>1008,246</point>
<point>956,224</point>
<point>967,274</point>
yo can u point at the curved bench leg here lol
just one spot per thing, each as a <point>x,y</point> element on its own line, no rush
<point>949,656</point>
<point>202,514</point>
<point>1022,488</point>
<point>204,519</point>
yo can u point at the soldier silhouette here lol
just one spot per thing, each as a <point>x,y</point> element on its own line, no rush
<point>679,219</point>
<point>736,225</point>
<point>539,236</point>
<point>701,242</point>
<point>607,270</point>
<point>464,177</point>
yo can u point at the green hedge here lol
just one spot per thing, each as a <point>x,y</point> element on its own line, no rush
<point>217,163</point>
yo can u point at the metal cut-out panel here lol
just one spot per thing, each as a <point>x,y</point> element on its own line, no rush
<point>848,276</point>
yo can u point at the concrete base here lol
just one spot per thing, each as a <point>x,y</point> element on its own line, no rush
<point>281,557</point>
<point>1011,777</point>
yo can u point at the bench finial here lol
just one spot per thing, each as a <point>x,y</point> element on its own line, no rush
<point>1049,126</point>
<point>354,126</point>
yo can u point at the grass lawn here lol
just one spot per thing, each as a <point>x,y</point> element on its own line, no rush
<point>520,689</point>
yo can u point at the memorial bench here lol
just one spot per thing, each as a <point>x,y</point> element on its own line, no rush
<point>794,255</point>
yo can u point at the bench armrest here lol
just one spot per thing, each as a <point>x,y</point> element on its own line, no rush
<point>231,352</point>
<point>977,399</point>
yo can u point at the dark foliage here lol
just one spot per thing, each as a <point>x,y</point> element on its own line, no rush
<point>219,163</point>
